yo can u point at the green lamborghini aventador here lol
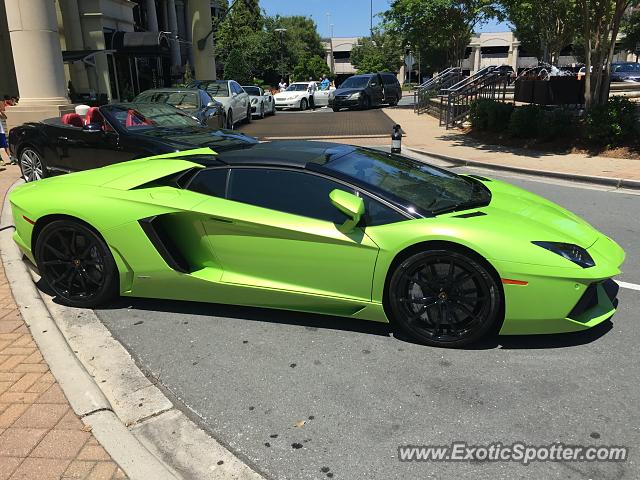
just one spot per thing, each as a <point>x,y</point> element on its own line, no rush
<point>324,228</point>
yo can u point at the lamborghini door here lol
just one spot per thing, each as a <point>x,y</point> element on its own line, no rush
<point>277,229</point>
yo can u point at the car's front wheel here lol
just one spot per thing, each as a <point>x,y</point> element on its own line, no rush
<point>261,111</point>
<point>303,104</point>
<point>32,165</point>
<point>444,298</point>
<point>76,264</point>
<point>248,117</point>
<point>229,120</point>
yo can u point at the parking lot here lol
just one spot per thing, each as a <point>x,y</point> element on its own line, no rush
<point>302,396</point>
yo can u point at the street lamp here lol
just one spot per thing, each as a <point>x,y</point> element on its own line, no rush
<point>281,31</point>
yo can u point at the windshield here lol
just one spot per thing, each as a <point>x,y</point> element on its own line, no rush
<point>355,82</point>
<point>218,89</point>
<point>181,100</point>
<point>144,116</point>
<point>255,91</point>
<point>427,189</point>
<point>297,87</point>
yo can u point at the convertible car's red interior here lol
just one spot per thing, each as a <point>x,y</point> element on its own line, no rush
<point>93,116</point>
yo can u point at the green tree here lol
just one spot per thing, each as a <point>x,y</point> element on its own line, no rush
<point>299,37</point>
<point>631,30</point>
<point>439,29</point>
<point>382,52</point>
<point>243,45</point>
<point>600,25</point>
<point>310,66</point>
<point>543,27</point>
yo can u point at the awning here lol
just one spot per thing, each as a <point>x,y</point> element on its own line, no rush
<point>138,43</point>
<point>85,56</point>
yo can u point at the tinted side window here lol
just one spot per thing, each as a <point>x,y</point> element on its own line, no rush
<point>298,193</point>
<point>377,213</point>
<point>389,80</point>
<point>210,182</point>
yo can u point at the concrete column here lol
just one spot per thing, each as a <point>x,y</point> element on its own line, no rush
<point>152,16</point>
<point>165,13</point>
<point>476,53</point>
<point>173,27</point>
<point>204,61</point>
<point>38,61</point>
<point>74,40</point>
<point>514,56</point>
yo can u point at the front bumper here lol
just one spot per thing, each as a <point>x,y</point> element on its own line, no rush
<point>288,103</point>
<point>559,300</point>
<point>337,102</point>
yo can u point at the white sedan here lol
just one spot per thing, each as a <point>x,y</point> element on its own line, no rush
<point>232,97</point>
<point>297,96</point>
<point>262,102</point>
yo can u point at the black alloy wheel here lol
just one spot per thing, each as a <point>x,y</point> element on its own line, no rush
<point>444,298</point>
<point>76,264</point>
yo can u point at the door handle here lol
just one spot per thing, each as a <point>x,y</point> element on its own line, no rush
<point>221,220</point>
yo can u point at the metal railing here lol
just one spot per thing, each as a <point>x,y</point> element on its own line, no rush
<point>426,91</point>
<point>455,101</point>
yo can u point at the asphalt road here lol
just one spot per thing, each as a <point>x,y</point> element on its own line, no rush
<point>249,375</point>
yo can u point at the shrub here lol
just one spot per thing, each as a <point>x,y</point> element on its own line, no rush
<point>611,123</point>
<point>525,121</point>
<point>486,114</point>
<point>555,124</point>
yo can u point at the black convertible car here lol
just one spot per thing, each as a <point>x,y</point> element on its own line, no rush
<point>111,134</point>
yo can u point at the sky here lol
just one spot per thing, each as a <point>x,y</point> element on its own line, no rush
<point>350,18</point>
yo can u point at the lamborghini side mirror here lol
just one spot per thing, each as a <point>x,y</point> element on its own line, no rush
<point>349,204</point>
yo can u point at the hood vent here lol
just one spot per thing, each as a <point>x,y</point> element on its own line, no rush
<point>470,214</point>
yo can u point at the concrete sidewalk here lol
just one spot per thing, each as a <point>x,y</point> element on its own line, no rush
<point>423,133</point>
<point>40,435</point>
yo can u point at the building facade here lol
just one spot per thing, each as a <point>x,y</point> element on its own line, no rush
<point>56,52</point>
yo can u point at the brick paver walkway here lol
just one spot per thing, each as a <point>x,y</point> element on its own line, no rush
<point>41,438</point>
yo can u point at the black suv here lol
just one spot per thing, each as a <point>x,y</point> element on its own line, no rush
<point>365,91</point>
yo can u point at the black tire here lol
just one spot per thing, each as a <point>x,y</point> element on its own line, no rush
<point>394,101</point>
<point>273,109</point>
<point>336,109</point>
<point>303,104</point>
<point>366,103</point>
<point>32,164</point>
<point>444,298</point>
<point>249,115</point>
<point>262,115</point>
<point>229,120</point>
<point>76,264</point>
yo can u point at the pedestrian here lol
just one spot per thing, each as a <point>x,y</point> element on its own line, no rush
<point>325,83</point>
<point>6,101</point>
<point>282,86</point>
<point>311,90</point>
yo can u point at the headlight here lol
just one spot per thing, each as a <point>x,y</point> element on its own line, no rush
<point>354,96</point>
<point>254,101</point>
<point>573,253</point>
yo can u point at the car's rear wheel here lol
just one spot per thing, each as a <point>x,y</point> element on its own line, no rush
<point>248,117</point>
<point>336,109</point>
<point>444,298</point>
<point>273,108</point>
<point>261,111</point>
<point>76,264</point>
<point>32,165</point>
<point>303,104</point>
<point>393,102</point>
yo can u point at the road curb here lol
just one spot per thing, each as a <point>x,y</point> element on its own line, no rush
<point>606,181</point>
<point>130,416</point>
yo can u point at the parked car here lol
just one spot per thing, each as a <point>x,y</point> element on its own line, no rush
<point>111,134</point>
<point>325,228</point>
<point>366,91</point>
<point>295,96</point>
<point>625,72</point>
<point>262,102</point>
<point>193,101</point>
<point>232,96</point>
